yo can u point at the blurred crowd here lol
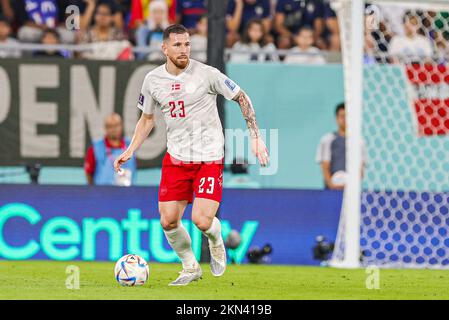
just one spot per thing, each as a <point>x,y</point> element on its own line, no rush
<point>256,29</point>
<point>406,35</point>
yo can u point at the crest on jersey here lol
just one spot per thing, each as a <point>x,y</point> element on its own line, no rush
<point>231,85</point>
<point>141,99</point>
<point>175,87</point>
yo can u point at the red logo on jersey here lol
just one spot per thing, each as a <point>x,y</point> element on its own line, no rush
<point>175,87</point>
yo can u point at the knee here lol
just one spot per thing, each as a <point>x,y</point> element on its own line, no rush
<point>168,224</point>
<point>202,222</point>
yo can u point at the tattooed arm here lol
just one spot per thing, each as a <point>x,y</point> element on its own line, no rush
<point>257,144</point>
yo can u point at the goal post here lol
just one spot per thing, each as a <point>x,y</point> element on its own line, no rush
<point>396,79</point>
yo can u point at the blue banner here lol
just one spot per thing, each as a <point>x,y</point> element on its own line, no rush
<point>104,223</point>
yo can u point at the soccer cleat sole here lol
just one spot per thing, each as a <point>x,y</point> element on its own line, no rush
<point>217,272</point>
<point>171,284</point>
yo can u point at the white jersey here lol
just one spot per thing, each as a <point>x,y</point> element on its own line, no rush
<point>188,102</point>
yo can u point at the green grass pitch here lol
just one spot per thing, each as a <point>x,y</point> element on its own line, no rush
<point>46,280</point>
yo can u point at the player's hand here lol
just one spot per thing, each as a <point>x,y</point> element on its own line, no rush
<point>260,150</point>
<point>121,159</point>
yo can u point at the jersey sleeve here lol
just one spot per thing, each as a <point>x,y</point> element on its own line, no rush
<point>221,84</point>
<point>323,152</point>
<point>146,101</point>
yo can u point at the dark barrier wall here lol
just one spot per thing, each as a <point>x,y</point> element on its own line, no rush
<point>103,223</point>
<point>50,110</point>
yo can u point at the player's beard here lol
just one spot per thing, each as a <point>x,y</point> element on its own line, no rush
<point>180,64</point>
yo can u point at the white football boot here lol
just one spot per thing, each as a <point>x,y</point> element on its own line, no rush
<point>217,259</point>
<point>187,275</point>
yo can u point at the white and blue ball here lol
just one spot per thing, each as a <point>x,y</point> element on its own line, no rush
<point>131,270</point>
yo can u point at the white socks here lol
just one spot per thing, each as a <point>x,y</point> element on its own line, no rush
<point>179,240</point>
<point>214,233</point>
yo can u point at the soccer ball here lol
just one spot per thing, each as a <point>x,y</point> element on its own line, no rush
<point>131,270</point>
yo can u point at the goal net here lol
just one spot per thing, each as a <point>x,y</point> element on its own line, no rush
<point>396,213</point>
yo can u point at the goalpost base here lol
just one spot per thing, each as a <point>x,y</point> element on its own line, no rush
<point>344,265</point>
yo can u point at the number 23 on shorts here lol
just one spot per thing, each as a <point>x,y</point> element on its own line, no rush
<point>206,185</point>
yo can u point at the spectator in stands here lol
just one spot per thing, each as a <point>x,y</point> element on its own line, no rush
<point>440,34</point>
<point>92,7</point>
<point>231,39</point>
<point>369,57</point>
<point>283,42</point>
<point>140,12</point>
<point>305,52</point>
<point>34,17</point>
<point>188,12</point>
<point>241,12</point>
<point>108,42</point>
<point>253,42</point>
<point>151,34</point>
<point>5,31</point>
<point>292,15</point>
<point>122,13</point>
<point>412,46</point>
<point>331,153</point>
<point>86,10</point>
<point>392,17</point>
<point>442,49</point>
<point>198,41</point>
<point>99,161</point>
<point>50,37</point>
<point>332,30</point>
<point>6,10</point>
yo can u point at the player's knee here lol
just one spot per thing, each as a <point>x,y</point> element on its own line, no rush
<point>168,224</point>
<point>202,222</point>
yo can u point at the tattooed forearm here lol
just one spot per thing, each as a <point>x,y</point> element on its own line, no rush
<point>248,113</point>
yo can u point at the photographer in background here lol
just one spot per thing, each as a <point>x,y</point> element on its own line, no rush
<point>100,157</point>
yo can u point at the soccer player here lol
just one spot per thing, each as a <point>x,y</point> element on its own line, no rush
<point>185,90</point>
